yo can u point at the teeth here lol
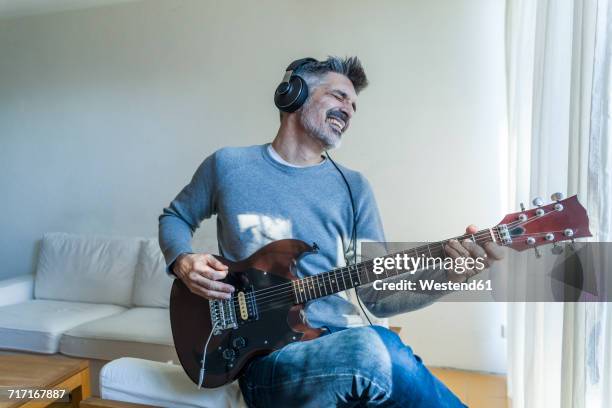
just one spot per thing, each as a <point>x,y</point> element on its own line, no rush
<point>338,123</point>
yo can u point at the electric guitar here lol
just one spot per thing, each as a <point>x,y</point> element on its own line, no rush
<point>216,339</point>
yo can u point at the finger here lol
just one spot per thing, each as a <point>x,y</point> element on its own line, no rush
<point>494,251</point>
<point>208,294</point>
<point>459,248</point>
<point>213,274</point>
<point>450,251</point>
<point>205,270</point>
<point>471,229</point>
<point>216,264</point>
<point>474,249</point>
<point>207,283</point>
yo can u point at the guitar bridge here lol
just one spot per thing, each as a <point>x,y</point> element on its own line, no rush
<point>223,314</point>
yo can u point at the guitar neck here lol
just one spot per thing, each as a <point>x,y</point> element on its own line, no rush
<point>341,279</point>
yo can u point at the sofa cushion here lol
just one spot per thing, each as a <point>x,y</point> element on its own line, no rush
<point>151,283</point>
<point>142,332</point>
<point>37,325</point>
<point>82,268</point>
<point>161,385</point>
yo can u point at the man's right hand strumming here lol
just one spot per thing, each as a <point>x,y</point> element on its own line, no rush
<point>201,273</point>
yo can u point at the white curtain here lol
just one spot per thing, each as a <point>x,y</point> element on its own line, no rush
<point>558,83</point>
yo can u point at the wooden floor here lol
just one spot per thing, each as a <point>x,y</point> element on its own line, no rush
<point>476,390</point>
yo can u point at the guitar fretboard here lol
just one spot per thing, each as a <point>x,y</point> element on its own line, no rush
<point>347,277</point>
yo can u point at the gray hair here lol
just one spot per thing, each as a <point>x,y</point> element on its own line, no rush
<point>350,67</point>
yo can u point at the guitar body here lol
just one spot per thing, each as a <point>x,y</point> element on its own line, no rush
<point>273,319</point>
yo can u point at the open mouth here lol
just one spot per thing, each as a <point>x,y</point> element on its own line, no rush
<point>337,124</point>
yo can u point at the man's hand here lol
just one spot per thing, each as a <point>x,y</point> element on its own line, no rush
<point>468,249</point>
<point>200,272</point>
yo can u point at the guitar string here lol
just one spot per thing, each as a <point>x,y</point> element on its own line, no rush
<point>277,289</point>
<point>288,299</point>
<point>351,274</point>
<point>357,272</point>
<point>480,234</point>
<point>345,272</point>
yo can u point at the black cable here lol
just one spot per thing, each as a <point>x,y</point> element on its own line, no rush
<point>354,231</point>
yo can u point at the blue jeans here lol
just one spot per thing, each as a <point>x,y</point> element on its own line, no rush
<point>362,366</point>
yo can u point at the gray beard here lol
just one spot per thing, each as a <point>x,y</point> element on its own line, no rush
<point>322,133</point>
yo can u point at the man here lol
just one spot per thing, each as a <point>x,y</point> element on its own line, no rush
<point>288,189</point>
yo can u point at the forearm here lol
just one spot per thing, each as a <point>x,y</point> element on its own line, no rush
<point>175,236</point>
<point>183,216</point>
<point>386,303</point>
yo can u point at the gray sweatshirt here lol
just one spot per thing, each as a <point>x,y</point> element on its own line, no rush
<point>258,199</point>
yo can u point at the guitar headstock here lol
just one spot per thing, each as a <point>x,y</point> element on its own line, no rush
<point>561,220</point>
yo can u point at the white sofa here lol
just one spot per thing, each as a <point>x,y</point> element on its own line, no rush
<point>93,297</point>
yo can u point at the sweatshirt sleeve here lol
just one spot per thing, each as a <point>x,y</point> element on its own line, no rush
<point>378,302</point>
<point>194,203</point>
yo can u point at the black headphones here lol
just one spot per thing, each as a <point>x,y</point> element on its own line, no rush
<point>291,94</point>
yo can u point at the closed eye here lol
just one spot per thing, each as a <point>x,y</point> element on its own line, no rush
<point>341,96</point>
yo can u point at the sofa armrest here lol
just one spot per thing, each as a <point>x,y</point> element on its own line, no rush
<point>16,290</point>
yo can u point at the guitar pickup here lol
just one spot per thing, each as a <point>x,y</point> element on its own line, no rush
<point>247,307</point>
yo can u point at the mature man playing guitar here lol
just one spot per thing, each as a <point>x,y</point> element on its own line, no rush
<point>288,189</point>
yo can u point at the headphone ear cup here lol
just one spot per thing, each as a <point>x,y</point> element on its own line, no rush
<point>290,96</point>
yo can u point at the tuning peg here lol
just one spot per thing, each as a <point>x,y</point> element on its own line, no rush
<point>537,202</point>
<point>537,252</point>
<point>556,197</point>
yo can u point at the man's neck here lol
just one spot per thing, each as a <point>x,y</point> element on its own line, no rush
<point>297,147</point>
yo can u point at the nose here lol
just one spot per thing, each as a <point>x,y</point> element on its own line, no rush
<point>347,109</point>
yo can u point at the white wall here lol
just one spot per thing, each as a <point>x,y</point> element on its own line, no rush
<point>105,114</point>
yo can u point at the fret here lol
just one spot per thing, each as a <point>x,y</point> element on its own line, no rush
<point>315,284</point>
<point>492,235</point>
<point>311,289</point>
<point>367,273</point>
<point>322,278</point>
<point>363,271</point>
<point>358,278</point>
<point>337,282</point>
<point>296,292</point>
<point>305,289</point>
<point>331,287</point>
<point>343,281</point>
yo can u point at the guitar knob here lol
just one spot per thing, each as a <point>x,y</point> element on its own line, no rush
<point>537,202</point>
<point>239,342</point>
<point>557,197</point>
<point>229,354</point>
<point>531,241</point>
<point>550,236</point>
